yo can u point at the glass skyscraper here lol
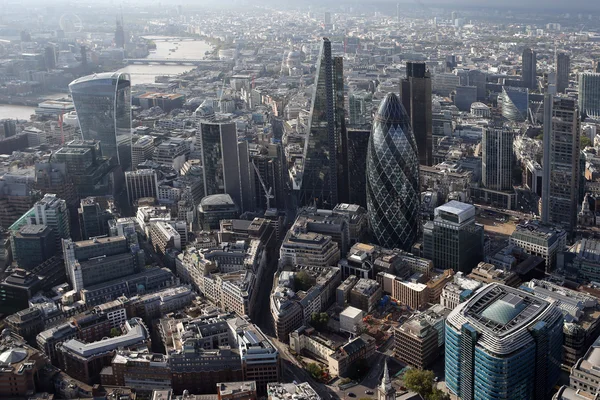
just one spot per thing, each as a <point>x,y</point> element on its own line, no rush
<point>415,91</point>
<point>103,105</point>
<point>497,158</point>
<point>589,94</point>
<point>393,199</point>
<point>515,103</point>
<point>529,68</point>
<point>325,177</point>
<point>503,343</point>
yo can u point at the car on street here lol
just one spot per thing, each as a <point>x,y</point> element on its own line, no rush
<point>369,392</point>
<point>350,394</point>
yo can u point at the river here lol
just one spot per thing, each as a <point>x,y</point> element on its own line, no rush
<point>140,74</point>
<point>143,74</point>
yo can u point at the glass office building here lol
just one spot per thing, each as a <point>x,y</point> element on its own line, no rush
<point>103,105</point>
<point>325,178</point>
<point>393,199</point>
<point>503,343</point>
<point>589,95</point>
<point>515,103</point>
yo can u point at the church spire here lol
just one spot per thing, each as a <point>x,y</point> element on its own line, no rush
<point>386,390</point>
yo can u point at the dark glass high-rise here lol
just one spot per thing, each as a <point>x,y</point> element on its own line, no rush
<point>325,178</point>
<point>103,105</point>
<point>415,91</point>
<point>393,200</point>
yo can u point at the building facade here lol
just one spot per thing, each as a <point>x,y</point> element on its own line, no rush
<point>393,199</point>
<point>497,158</point>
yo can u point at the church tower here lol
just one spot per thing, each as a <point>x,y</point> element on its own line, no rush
<point>386,391</point>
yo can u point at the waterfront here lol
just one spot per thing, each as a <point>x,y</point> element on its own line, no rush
<point>144,74</point>
<point>11,111</point>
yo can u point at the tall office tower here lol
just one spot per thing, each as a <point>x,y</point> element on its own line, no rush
<point>268,165</point>
<point>529,68</point>
<point>93,220</point>
<point>50,57</point>
<point>358,141</point>
<point>393,197</point>
<point>597,66</point>
<point>141,183</point>
<point>415,91</point>
<point>120,34</point>
<point>453,240</point>
<point>53,212</point>
<point>589,94</point>
<point>226,163</point>
<point>325,179</point>
<point>563,69</point>
<point>560,187</point>
<point>497,159</point>
<point>142,150</point>
<point>503,343</point>
<point>515,103</point>
<point>103,105</point>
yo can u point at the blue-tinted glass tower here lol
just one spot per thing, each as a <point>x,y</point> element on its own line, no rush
<point>393,199</point>
<point>103,106</point>
<point>503,343</point>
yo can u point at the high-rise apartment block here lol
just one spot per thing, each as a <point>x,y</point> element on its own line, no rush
<point>453,240</point>
<point>325,180</point>
<point>415,91</point>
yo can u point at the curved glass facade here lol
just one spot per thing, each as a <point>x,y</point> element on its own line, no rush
<point>503,344</point>
<point>103,106</point>
<point>393,199</point>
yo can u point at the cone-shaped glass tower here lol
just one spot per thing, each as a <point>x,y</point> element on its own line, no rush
<point>393,199</point>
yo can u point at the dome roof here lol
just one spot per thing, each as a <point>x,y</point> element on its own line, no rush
<point>13,356</point>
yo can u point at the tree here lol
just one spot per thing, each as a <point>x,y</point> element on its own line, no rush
<point>314,370</point>
<point>420,382</point>
<point>437,394</point>
<point>585,142</point>
<point>303,281</point>
<point>319,320</point>
<point>114,332</point>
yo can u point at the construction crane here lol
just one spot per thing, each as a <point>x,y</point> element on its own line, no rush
<point>269,192</point>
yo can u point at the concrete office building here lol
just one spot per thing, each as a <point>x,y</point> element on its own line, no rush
<point>540,240</point>
<point>503,343</point>
<point>560,191</point>
<point>95,261</point>
<point>308,249</point>
<point>453,239</point>
<point>32,245</point>
<point>464,97</point>
<point>415,94</point>
<point>140,184</point>
<point>416,342</point>
<point>214,208</point>
<point>497,158</point>
<point>365,294</point>
<point>141,150</point>
<point>51,212</point>
<point>93,220</point>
